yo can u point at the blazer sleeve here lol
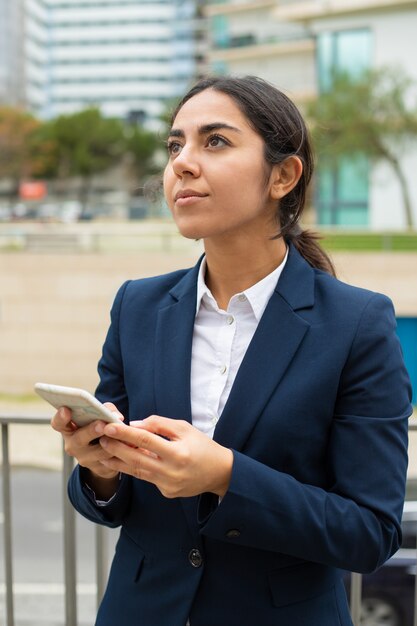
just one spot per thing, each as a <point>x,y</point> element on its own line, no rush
<point>354,524</point>
<point>110,389</point>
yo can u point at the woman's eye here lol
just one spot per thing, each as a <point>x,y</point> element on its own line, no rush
<point>173,148</point>
<point>215,141</point>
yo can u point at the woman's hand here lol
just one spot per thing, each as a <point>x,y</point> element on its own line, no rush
<point>173,455</point>
<point>78,442</point>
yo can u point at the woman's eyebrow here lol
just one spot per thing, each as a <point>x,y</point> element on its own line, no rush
<point>204,129</point>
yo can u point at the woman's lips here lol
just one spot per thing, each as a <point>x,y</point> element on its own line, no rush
<point>188,196</point>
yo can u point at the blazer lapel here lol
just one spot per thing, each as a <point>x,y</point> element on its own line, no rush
<point>276,340</point>
<point>173,344</point>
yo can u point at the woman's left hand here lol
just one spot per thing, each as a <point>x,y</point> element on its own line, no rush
<point>173,455</point>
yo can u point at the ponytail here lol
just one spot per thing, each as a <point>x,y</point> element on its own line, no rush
<point>306,243</point>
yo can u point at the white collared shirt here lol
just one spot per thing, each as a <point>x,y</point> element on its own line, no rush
<point>220,341</point>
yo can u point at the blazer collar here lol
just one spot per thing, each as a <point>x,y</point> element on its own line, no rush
<point>296,283</point>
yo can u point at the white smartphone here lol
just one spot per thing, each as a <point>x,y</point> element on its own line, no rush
<point>84,406</point>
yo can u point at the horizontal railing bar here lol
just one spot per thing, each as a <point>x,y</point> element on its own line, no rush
<point>7,418</point>
<point>24,419</point>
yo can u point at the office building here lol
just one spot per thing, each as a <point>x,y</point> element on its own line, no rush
<point>130,57</point>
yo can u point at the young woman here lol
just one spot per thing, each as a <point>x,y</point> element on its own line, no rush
<point>267,401</point>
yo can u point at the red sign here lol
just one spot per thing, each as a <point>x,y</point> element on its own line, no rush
<point>32,190</point>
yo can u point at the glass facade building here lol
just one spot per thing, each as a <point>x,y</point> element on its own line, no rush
<point>130,57</point>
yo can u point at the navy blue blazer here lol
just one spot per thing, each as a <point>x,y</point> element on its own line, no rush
<point>317,421</point>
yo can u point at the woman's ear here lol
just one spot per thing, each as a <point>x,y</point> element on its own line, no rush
<point>285,176</point>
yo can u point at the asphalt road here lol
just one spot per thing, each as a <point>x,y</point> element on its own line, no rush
<point>38,567</point>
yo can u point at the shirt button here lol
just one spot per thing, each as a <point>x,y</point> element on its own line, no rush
<point>195,558</point>
<point>233,533</point>
<point>223,369</point>
<point>241,297</point>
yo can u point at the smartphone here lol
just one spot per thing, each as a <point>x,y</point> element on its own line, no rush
<point>84,406</point>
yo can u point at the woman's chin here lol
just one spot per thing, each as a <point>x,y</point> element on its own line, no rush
<point>191,230</point>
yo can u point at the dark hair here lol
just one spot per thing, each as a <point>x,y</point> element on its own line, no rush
<point>278,121</point>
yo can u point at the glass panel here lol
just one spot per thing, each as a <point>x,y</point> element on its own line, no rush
<point>220,31</point>
<point>353,51</point>
<point>348,51</point>
<point>352,179</point>
<point>325,60</point>
<point>342,192</point>
<point>352,216</point>
<point>407,333</point>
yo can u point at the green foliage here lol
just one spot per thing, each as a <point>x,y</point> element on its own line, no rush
<point>84,143</point>
<point>365,114</point>
<point>18,155</point>
<point>141,146</point>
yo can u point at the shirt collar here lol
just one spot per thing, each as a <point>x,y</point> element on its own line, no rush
<point>258,295</point>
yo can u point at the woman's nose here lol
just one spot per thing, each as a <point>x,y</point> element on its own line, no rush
<point>186,163</point>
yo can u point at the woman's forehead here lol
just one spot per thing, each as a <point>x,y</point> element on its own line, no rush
<point>208,107</point>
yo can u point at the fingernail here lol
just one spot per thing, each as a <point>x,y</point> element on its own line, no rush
<point>110,430</point>
<point>99,428</point>
<point>103,442</point>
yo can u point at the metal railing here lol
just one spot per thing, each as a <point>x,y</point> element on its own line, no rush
<point>69,540</point>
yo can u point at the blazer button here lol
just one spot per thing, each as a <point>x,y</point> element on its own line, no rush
<point>233,533</point>
<point>195,558</point>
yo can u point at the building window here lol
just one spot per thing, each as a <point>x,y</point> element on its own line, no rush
<point>342,193</point>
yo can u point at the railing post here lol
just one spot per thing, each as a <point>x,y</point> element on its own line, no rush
<point>70,574</point>
<point>7,525</point>
<point>101,562</point>
<point>415,593</point>
<point>355,597</point>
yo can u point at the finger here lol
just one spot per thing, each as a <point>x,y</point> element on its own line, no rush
<point>61,421</point>
<point>135,463</point>
<point>113,408</point>
<point>86,435</point>
<point>165,426</point>
<point>137,438</point>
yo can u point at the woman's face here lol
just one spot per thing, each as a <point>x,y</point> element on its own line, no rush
<point>215,179</point>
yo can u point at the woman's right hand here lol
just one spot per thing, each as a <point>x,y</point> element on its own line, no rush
<point>78,443</point>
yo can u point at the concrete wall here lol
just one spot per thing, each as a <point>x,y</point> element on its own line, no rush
<point>54,308</point>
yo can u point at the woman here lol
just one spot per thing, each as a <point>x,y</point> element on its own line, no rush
<point>267,401</point>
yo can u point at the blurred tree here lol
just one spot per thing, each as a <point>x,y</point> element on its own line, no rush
<point>141,147</point>
<point>84,144</point>
<point>20,154</point>
<point>374,115</point>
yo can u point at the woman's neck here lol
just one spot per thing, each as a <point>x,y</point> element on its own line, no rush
<point>233,269</point>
